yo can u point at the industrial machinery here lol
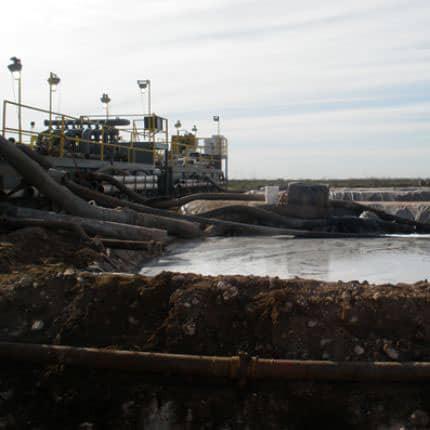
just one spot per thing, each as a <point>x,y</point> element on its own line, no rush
<point>136,149</point>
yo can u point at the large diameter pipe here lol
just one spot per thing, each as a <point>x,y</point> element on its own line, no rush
<point>91,226</point>
<point>360,207</point>
<point>236,368</point>
<point>35,175</point>
<point>175,227</point>
<point>236,227</point>
<point>136,197</point>
<point>166,204</point>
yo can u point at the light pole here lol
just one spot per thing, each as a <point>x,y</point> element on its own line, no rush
<point>33,137</point>
<point>144,84</point>
<point>219,144</point>
<point>105,99</point>
<point>15,68</point>
<point>194,130</point>
<point>178,125</point>
<point>53,82</point>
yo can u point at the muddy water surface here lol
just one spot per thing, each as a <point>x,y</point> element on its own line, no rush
<point>393,259</point>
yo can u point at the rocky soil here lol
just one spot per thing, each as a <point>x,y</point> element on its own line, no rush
<point>29,248</point>
<point>47,295</point>
<point>193,314</point>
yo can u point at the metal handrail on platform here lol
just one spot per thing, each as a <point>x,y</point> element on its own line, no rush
<point>191,152</point>
<point>59,134</point>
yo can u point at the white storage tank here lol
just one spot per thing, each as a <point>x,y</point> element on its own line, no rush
<point>271,194</point>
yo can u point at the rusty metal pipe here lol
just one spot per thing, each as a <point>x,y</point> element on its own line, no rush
<point>236,368</point>
<point>310,370</point>
<point>120,360</point>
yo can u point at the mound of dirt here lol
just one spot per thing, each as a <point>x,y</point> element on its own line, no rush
<point>27,249</point>
<point>38,246</point>
<point>186,313</point>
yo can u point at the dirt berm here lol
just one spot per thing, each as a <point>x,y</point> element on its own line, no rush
<point>54,302</point>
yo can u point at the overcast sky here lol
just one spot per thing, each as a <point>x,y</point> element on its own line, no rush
<point>309,88</point>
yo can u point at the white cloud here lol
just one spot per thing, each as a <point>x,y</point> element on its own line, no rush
<point>297,76</point>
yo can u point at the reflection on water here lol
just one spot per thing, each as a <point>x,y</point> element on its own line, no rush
<point>393,259</point>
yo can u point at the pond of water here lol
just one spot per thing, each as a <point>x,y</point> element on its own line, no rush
<point>389,259</point>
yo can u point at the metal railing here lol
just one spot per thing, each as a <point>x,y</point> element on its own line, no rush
<point>56,141</point>
<point>211,151</point>
<point>59,142</point>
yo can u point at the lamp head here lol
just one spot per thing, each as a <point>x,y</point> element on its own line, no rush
<point>53,81</point>
<point>143,84</point>
<point>15,67</point>
<point>105,99</point>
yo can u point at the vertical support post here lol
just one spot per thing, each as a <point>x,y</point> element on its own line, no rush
<point>62,137</point>
<point>20,107</point>
<point>226,164</point>
<point>167,142</point>
<point>50,101</point>
<point>53,81</point>
<point>102,144</point>
<point>219,155</point>
<point>133,139</point>
<point>149,98</point>
<point>4,119</point>
<point>102,148</point>
<point>153,136</point>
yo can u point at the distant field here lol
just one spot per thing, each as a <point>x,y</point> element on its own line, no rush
<point>252,184</point>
